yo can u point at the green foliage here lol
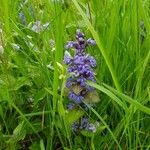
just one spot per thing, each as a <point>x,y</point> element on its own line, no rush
<point>33,113</point>
<point>73,115</point>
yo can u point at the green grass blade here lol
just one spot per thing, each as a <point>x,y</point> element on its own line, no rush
<point>99,43</point>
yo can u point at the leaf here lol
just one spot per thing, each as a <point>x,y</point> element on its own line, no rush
<point>109,93</point>
<point>40,95</point>
<point>19,132</point>
<point>20,82</point>
<point>25,119</point>
<point>61,109</point>
<point>37,126</point>
<point>130,100</point>
<point>1,111</point>
<point>42,144</point>
<point>73,115</point>
<point>35,146</point>
<point>99,43</point>
<point>65,148</point>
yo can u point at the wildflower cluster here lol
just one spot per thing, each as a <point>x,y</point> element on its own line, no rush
<point>80,66</point>
<point>84,124</point>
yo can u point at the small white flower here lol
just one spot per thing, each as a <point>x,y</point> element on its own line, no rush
<point>92,128</point>
<point>37,27</point>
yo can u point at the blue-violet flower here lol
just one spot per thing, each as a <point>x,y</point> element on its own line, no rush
<point>80,67</point>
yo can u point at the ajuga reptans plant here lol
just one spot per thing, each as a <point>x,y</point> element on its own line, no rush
<point>80,67</point>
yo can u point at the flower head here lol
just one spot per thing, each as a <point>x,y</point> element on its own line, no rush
<point>80,65</point>
<point>67,58</point>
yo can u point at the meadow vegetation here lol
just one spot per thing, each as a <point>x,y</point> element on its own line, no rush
<point>33,75</point>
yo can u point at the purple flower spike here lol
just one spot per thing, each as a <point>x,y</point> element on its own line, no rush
<point>67,58</point>
<point>70,106</point>
<point>91,61</point>
<point>84,122</point>
<point>81,81</point>
<point>79,33</point>
<point>70,44</point>
<point>76,97</point>
<point>75,127</point>
<point>69,82</point>
<point>91,42</point>
<point>80,65</point>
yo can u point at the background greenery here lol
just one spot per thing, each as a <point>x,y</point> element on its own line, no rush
<point>32,97</point>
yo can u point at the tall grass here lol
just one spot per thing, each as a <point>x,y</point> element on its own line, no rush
<point>33,113</point>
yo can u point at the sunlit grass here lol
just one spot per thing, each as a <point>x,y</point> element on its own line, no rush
<point>33,113</point>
